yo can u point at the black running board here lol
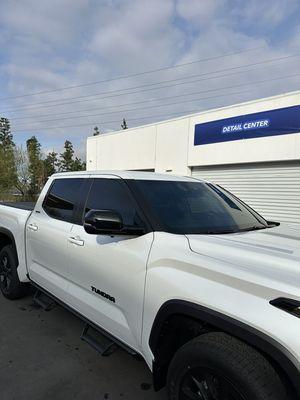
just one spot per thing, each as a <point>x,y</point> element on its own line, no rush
<point>98,341</point>
<point>87,337</point>
<point>43,300</point>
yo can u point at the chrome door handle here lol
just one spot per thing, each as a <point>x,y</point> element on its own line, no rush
<point>33,227</point>
<point>76,240</point>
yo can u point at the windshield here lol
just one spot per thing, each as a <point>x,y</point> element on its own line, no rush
<point>198,207</point>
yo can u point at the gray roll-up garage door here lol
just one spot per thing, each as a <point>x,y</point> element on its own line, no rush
<point>272,189</point>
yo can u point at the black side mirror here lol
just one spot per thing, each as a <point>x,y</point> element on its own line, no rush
<point>103,222</point>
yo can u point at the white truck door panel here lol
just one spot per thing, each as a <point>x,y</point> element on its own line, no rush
<point>116,268</point>
<point>107,274</point>
<point>47,232</point>
<point>47,252</point>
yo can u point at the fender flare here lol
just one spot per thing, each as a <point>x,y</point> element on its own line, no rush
<point>9,234</point>
<point>262,342</point>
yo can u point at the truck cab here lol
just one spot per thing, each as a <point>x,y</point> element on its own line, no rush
<point>174,269</point>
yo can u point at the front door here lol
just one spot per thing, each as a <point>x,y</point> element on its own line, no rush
<point>107,273</point>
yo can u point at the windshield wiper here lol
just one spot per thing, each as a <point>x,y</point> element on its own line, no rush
<point>253,228</point>
<point>219,232</point>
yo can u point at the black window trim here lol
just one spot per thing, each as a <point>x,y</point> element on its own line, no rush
<point>82,201</point>
<point>152,221</point>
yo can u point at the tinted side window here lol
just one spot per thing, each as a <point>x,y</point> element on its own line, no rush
<point>113,194</point>
<point>62,198</point>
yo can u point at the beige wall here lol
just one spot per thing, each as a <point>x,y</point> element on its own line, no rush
<point>128,149</point>
<point>163,147</point>
<point>172,147</point>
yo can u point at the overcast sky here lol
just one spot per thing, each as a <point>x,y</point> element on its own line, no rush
<point>47,45</point>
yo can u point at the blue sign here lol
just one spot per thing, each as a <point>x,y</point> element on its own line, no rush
<point>283,121</point>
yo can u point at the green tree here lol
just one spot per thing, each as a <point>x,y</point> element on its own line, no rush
<point>6,138</point>
<point>8,174</point>
<point>36,165</point>
<point>67,161</point>
<point>79,165</point>
<point>66,158</point>
<point>51,164</point>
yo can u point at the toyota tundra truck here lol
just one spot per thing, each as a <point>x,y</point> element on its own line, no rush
<point>173,269</point>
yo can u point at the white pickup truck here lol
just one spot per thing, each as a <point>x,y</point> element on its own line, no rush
<point>174,269</point>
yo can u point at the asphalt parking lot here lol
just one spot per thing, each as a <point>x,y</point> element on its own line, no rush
<point>43,358</point>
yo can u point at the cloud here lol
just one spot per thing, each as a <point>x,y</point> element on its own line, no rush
<point>264,13</point>
<point>198,12</point>
<point>136,35</point>
<point>47,45</point>
<point>50,23</point>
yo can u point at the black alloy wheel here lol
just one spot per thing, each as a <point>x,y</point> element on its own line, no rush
<point>204,384</point>
<point>5,273</point>
<point>217,366</point>
<point>10,285</point>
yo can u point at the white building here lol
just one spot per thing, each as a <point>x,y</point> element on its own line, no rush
<point>252,149</point>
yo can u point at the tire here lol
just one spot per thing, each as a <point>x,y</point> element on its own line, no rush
<point>10,285</point>
<point>216,366</point>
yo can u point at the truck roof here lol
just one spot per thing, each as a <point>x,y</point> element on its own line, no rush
<point>138,175</point>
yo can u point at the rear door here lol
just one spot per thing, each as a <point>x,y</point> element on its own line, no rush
<point>107,273</point>
<point>48,232</point>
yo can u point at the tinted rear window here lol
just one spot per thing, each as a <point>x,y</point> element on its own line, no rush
<point>62,198</point>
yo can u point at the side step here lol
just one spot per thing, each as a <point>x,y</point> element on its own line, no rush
<point>105,344</point>
<point>101,343</point>
<point>44,301</point>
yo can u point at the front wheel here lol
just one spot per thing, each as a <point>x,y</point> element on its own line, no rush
<point>216,366</point>
<point>10,285</point>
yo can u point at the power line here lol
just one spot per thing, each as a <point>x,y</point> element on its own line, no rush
<point>134,75</point>
<point>110,122</point>
<point>132,103</point>
<point>45,104</point>
<point>103,108</point>
<point>140,108</point>
<point>180,102</point>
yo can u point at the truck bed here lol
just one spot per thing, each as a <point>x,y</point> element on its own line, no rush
<point>23,205</point>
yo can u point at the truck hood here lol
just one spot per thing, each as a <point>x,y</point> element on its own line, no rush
<point>272,253</point>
